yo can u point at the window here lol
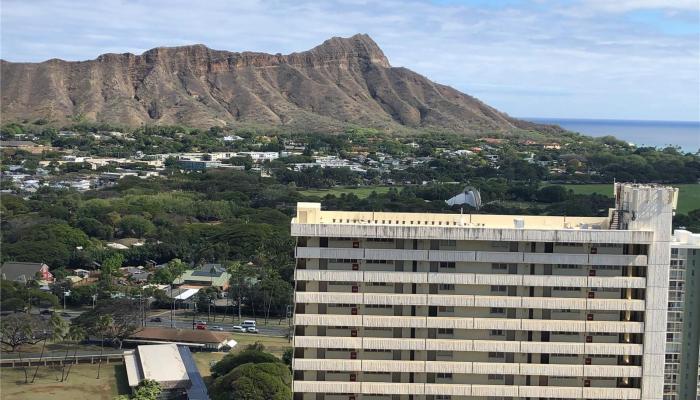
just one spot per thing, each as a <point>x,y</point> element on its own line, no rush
<point>446,309</point>
<point>448,243</point>
<point>495,376</point>
<point>445,264</point>
<point>499,267</point>
<point>498,288</point>
<point>497,355</point>
<point>497,310</point>
<point>496,332</point>
<point>447,286</point>
<point>446,331</point>
<point>444,375</point>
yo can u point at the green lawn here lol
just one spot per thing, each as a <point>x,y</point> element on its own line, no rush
<point>688,195</point>
<point>361,192</point>
<point>81,384</point>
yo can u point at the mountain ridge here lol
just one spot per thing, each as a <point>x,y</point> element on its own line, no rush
<point>341,82</point>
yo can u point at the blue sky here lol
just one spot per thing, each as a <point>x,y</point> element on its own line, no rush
<point>618,59</point>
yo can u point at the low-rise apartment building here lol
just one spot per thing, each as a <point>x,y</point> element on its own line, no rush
<point>448,306</point>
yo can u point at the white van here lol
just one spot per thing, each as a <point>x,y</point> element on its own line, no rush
<point>249,323</point>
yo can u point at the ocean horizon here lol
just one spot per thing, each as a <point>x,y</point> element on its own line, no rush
<point>685,134</point>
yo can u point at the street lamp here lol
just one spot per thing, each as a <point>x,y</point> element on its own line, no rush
<point>65,294</point>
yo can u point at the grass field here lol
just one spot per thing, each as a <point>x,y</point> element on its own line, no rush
<point>361,192</point>
<point>688,195</point>
<point>81,384</point>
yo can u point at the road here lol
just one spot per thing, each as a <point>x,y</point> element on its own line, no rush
<point>182,321</point>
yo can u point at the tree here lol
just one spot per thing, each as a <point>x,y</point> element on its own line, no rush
<point>135,225</point>
<point>76,333</point>
<point>242,278</point>
<point>55,330</point>
<point>250,355</point>
<point>147,389</point>
<point>110,268</point>
<point>20,329</point>
<point>113,319</point>
<point>251,374</point>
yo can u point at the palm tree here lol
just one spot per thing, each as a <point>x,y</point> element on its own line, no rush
<point>76,333</point>
<point>104,322</point>
<point>56,331</point>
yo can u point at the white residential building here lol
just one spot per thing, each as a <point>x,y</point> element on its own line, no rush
<point>682,370</point>
<point>447,306</point>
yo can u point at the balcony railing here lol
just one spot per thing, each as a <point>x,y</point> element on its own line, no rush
<point>436,389</point>
<point>464,300</point>
<point>468,345</point>
<point>469,256</point>
<point>470,278</point>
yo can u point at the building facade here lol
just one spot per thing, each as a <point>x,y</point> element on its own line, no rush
<point>448,306</point>
<point>682,370</point>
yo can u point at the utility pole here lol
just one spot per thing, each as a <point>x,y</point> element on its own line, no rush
<point>172,306</point>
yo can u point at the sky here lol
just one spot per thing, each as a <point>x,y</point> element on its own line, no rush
<point>613,59</point>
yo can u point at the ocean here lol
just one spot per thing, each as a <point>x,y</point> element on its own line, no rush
<point>685,134</point>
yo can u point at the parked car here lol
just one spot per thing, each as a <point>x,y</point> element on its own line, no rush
<point>252,329</point>
<point>238,329</point>
<point>216,328</point>
<point>201,327</point>
<point>200,322</point>
<point>156,319</point>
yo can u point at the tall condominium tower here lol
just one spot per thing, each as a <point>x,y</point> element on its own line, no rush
<point>682,373</point>
<point>401,306</point>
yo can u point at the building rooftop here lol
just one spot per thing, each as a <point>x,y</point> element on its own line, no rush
<point>163,364</point>
<point>310,213</point>
<point>185,336</point>
<point>686,239</point>
<point>636,202</point>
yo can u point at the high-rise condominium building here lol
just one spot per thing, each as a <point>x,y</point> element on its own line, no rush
<point>682,373</point>
<point>446,306</point>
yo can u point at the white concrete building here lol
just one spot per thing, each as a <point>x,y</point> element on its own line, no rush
<point>443,306</point>
<point>682,370</point>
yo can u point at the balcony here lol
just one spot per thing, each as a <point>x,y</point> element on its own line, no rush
<point>391,344</point>
<point>615,304</point>
<point>436,389</point>
<point>326,387</point>
<point>451,255</point>
<point>613,259</point>
<point>328,297</point>
<point>307,364</point>
<point>325,342</point>
<point>327,275</point>
<point>395,254</point>
<point>395,277</point>
<point>617,371</point>
<point>611,393</point>
<point>327,320</point>
<point>394,299</point>
<point>380,321</point>
<point>392,388</point>
<point>550,392</point>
